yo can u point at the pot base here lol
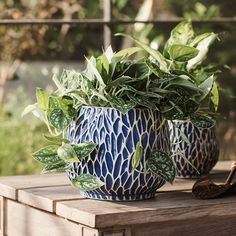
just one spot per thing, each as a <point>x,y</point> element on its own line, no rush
<point>118,198</point>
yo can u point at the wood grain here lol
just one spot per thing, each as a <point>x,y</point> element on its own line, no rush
<point>166,206</point>
<point>2,219</point>
<point>23,220</point>
<point>11,184</point>
<point>210,226</point>
<point>45,198</point>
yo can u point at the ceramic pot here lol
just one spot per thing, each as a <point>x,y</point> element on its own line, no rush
<point>116,136</point>
<point>202,152</point>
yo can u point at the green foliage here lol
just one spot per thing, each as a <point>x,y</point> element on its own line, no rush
<point>161,82</point>
<point>86,182</point>
<point>161,164</point>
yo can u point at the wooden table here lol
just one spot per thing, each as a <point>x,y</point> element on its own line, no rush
<point>41,205</point>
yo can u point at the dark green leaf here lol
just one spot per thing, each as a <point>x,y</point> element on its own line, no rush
<point>121,105</point>
<point>87,182</point>
<point>137,157</point>
<point>58,119</point>
<point>48,155</point>
<point>173,114</point>
<point>161,164</point>
<point>202,121</point>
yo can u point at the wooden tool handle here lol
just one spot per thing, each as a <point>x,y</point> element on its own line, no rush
<point>232,173</point>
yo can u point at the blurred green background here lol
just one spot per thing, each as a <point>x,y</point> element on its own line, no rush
<point>30,54</point>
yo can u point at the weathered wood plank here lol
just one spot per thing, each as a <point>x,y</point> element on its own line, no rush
<point>46,197</point>
<point>2,219</point>
<point>10,184</point>
<point>210,226</point>
<point>166,206</point>
<point>23,220</point>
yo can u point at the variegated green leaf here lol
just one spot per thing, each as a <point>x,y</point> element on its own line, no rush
<point>87,182</point>
<point>202,121</point>
<point>137,157</point>
<point>83,149</point>
<point>59,119</point>
<point>60,167</point>
<point>215,96</point>
<point>48,155</point>
<point>161,164</point>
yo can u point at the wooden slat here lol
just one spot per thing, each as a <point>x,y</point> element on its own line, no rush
<point>210,226</point>
<point>2,200</point>
<point>46,197</point>
<point>222,166</point>
<point>166,206</point>
<point>23,220</point>
<point>10,184</point>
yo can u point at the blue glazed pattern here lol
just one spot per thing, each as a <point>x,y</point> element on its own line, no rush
<point>202,152</point>
<point>116,136</point>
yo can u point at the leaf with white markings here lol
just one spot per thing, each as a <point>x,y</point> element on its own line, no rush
<point>87,182</point>
<point>161,164</point>
<point>59,119</point>
<point>83,149</point>
<point>47,155</point>
<point>60,167</point>
<point>202,121</point>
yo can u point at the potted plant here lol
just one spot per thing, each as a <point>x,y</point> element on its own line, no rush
<point>108,124</point>
<point>191,139</point>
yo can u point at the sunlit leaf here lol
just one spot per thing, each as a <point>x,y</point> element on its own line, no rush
<point>83,149</point>
<point>67,153</point>
<point>182,53</point>
<point>137,156</point>
<point>60,167</point>
<point>42,99</point>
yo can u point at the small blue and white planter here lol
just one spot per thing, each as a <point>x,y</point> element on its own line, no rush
<point>202,152</point>
<point>116,136</point>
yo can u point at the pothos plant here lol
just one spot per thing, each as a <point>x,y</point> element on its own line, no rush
<point>157,82</point>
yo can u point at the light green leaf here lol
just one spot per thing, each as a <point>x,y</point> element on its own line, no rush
<point>94,70</point>
<point>202,121</point>
<point>67,153</point>
<point>83,149</point>
<point>199,38</point>
<point>58,119</point>
<point>127,52</point>
<point>87,182</point>
<point>48,155</point>
<point>137,157</point>
<point>215,96</point>
<point>60,167</point>
<point>161,164</point>
<point>181,34</point>
<point>182,53</point>
<point>58,84</point>
<point>153,53</point>
<point>105,63</point>
<point>206,86</point>
<point>42,99</point>
<point>203,47</point>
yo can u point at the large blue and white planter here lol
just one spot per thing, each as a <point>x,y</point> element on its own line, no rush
<point>202,152</point>
<point>116,136</point>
